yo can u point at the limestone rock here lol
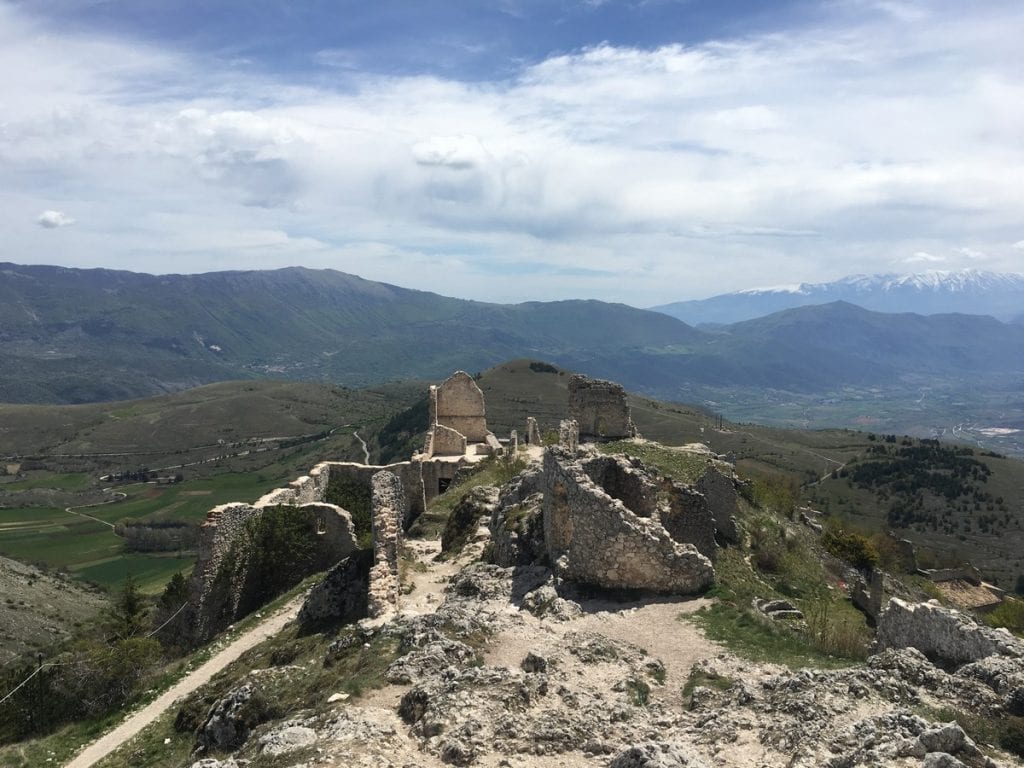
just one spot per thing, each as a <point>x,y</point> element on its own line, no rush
<point>342,595</point>
<point>545,602</point>
<point>432,658</point>
<point>477,503</point>
<point>288,739</point>
<point>653,755</point>
<point>231,718</point>
<point>942,633</point>
<point>534,663</point>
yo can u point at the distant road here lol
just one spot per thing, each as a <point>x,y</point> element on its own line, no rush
<point>120,496</point>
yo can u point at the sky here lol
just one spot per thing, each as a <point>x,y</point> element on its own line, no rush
<point>640,151</point>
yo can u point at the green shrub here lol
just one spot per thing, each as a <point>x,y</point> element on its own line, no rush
<point>1009,615</point>
<point>776,492</point>
<point>356,498</point>
<point>854,548</point>
<point>638,691</point>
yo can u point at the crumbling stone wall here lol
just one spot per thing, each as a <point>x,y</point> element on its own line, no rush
<point>599,408</point>
<point>942,634</point>
<point>224,566</point>
<point>866,591</point>
<point>687,517</point>
<point>720,492</point>
<point>445,441</point>
<point>388,513</point>
<point>458,404</point>
<point>532,431</point>
<point>594,538</point>
<point>569,435</point>
<point>626,481</point>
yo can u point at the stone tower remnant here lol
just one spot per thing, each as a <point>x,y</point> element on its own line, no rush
<point>532,431</point>
<point>599,408</point>
<point>457,418</point>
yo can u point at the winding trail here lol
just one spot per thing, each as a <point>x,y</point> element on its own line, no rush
<point>366,451</point>
<point>119,496</point>
<point>103,746</point>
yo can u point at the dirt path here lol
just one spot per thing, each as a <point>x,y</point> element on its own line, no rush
<point>118,496</point>
<point>107,743</point>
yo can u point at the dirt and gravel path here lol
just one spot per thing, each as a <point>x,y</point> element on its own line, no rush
<point>198,677</point>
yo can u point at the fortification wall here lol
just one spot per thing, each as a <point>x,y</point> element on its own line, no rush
<point>942,634</point>
<point>227,569</point>
<point>594,538</point>
<point>720,491</point>
<point>688,518</point>
<point>388,513</point>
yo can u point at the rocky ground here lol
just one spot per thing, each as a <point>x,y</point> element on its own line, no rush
<point>502,668</point>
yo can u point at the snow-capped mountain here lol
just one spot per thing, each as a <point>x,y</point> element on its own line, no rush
<point>968,291</point>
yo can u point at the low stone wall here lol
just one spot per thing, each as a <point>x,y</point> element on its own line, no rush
<point>968,573</point>
<point>942,634</point>
<point>388,513</point>
<point>594,538</point>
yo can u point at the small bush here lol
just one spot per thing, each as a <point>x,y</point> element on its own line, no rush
<point>854,548</point>
<point>776,492</point>
<point>638,691</point>
<point>1009,615</point>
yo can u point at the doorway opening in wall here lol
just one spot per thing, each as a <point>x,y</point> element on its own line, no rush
<point>443,484</point>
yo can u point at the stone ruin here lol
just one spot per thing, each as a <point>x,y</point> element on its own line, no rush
<point>600,409</point>
<point>224,566</point>
<point>602,526</point>
<point>602,520</point>
<point>458,437</point>
<point>569,435</point>
<point>458,422</point>
<point>388,513</point>
<point>532,431</point>
<point>942,634</point>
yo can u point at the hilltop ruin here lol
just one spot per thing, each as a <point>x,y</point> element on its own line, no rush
<point>607,521</point>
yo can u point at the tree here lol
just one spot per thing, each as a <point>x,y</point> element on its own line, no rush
<point>126,617</point>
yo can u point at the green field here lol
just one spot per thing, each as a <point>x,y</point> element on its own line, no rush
<point>150,572</point>
<point>231,442</point>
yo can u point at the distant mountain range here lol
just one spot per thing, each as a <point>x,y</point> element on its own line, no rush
<point>73,335</point>
<point>969,291</point>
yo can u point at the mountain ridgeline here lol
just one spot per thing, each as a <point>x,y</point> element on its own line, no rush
<point>87,335</point>
<point>969,291</point>
<point>73,336</point>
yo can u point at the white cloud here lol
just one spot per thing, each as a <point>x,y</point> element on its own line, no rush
<point>1019,245</point>
<point>923,257</point>
<point>972,254</point>
<point>54,220</point>
<point>684,171</point>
